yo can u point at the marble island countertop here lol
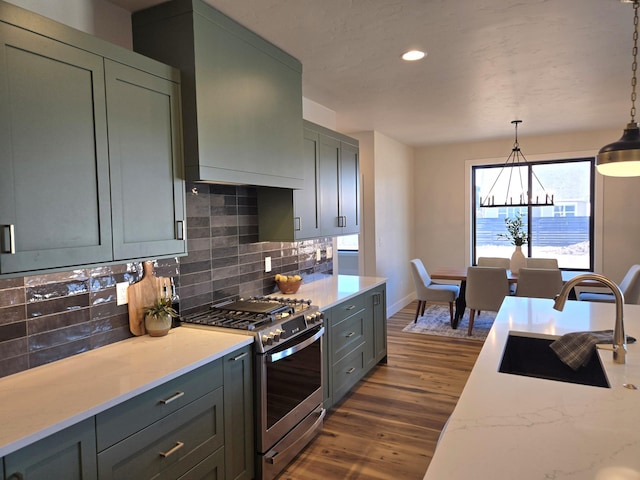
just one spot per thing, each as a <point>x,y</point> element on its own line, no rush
<point>515,427</point>
<point>46,399</point>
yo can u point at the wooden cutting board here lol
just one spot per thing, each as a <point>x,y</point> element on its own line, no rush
<point>143,294</point>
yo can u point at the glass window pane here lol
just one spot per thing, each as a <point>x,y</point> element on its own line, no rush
<point>561,231</point>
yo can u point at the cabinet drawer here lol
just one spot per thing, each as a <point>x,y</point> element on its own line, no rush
<point>171,446</point>
<point>347,335</point>
<point>133,415</point>
<point>347,372</point>
<point>211,468</point>
<point>347,308</point>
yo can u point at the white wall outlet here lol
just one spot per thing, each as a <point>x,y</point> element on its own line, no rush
<point>121,293</point>
<point>267,264</point>
<point>318,255</point>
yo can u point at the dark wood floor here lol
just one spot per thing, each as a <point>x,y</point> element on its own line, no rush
<point>388,426</point>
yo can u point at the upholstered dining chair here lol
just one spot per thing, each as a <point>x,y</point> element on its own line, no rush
<point>428,291</point>
<point>486,289</point>
<point>494,262</point>
<point>630,288</point>
<point>539,282</point>
<point>542,263</point>
<point>497,262</point>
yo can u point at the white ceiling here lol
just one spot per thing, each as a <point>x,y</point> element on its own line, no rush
<point>559,65</point>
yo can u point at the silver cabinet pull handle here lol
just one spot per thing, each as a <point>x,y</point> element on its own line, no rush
<point>351,370</point>
<point>12,239</point>
<point>350,334</point>
<point>176,396</point>
<point>180,230</point>
<point>350,307</point>
<point>172,450</point>
<point>8,240</point>
<point>297,224</point>
<point>242,355</point>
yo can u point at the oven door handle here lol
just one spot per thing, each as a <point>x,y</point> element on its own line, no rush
<point>274,357</point>
<point>274,457</point>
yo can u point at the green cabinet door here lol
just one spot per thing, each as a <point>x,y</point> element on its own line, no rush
<point>54,186</point>
<point>147,187</point>
<point>349,217</point>
<point>69,454</point>
<point>377,320</point>
<point>242,96</point>
<point>306,201</point>
<point>329,153</point>
<point>239,444</point>
<point>378,300</point>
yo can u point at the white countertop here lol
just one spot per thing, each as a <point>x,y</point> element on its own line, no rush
<point>335,289</point>
<point>46,399</point>
<point>515,427</point>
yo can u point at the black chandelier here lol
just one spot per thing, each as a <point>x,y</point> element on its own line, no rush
<point>516,196</point>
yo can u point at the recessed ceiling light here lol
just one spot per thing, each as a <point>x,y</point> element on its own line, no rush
<point>413,55</point>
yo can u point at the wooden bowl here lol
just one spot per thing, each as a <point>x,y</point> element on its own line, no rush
<point>289,287</point>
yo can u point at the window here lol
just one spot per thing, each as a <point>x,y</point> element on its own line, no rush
<point>564,231</point>
<point>348,243</point>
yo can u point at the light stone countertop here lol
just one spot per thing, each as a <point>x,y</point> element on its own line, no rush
<point>515,427</point>
<point>46,399</point>
<point>330,291</point>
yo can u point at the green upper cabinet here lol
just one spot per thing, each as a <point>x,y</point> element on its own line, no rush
<point>329,202</point>
<point>147,191</point>
<point>349,197</point>
<point>54,186</point>
<point>339,182</point>
<point>290,215</point>
<point>90,150</point>
<point>241,96</point>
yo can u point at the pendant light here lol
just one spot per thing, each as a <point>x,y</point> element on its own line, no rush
<point>514,197</point>
<point>622,158</point>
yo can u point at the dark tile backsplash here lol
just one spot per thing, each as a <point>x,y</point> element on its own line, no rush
<point>47,317</point>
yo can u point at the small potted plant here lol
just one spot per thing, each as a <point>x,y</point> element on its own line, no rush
<point>518,236</point>
<point>157,317</point>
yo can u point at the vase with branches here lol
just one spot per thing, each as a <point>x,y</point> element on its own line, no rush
<point>517,234</point>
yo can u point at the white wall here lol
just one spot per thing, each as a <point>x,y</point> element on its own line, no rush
<point>387,170</point>
<point>442,229</point>
<point>96,17</point>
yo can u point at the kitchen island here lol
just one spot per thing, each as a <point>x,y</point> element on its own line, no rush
<point>509,426</point>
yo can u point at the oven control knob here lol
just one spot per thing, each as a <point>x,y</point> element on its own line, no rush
<point>266,340</point>
<point>277,335</point>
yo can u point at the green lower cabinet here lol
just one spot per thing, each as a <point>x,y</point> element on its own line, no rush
<point>378,304</point>
<point>211,468</point>
<point>170,447</point>
<point>376,326</point>
<point>238,415</point>
<point>355,342</point>
<point>69,454</point>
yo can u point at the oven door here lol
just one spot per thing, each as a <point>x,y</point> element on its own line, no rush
<point>289,386</point>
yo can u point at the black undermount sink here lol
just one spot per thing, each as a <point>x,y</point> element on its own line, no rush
<point>532,357</point>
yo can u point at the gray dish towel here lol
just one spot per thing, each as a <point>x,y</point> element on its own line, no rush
<point>575,349</point>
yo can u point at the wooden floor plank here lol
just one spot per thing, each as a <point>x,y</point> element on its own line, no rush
<point>388,426</point>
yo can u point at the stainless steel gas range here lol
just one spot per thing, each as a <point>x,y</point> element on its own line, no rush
<point>288,369</point>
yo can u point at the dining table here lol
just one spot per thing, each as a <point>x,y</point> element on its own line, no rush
<point>459,274</point>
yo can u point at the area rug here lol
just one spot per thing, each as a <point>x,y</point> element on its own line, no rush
<point>435,321</point>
